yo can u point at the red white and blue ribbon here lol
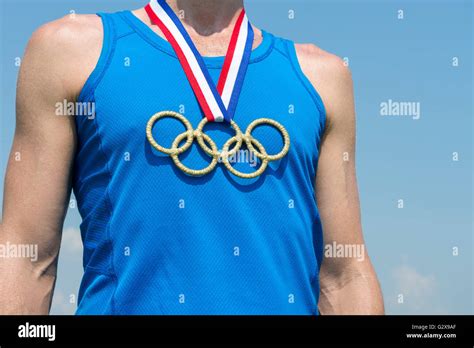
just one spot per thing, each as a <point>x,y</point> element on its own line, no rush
<point>217,102</point>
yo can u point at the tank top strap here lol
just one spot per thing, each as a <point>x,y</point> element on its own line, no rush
<point>288,49</point>
<point>118,24</point>
<point>114,28</point>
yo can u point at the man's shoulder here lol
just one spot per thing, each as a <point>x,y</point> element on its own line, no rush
<point>70,32</point>
<point>320,65</point>
<point>330,76</point>
<point>68,48</point>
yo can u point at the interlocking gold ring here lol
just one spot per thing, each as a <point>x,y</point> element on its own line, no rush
<point>264,156</point>
<point>234,171</point>
<point>238,136</point>
<point>194,172</point>
<point>171,114</point>
<point>210,147</point>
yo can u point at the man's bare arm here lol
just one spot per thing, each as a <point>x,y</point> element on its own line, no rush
<point>37,184</point>
<point>348,285</point>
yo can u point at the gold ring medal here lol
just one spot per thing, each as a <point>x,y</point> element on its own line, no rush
<point>210,148</point>
<point>217,102</point>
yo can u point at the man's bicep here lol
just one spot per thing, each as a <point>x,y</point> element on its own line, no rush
<point>337,192</point>
<point>336,184</point>
<point>336,187</point>
<point>37,183</point>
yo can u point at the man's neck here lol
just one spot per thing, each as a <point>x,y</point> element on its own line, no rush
<point>207,17</point>
<point>209,23</point>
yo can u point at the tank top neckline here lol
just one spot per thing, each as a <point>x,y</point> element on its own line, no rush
<point>258,53</point>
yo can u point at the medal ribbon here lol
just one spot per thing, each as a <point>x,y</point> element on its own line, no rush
<point>218,103</point>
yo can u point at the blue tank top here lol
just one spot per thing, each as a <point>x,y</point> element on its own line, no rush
<point>157,241</point>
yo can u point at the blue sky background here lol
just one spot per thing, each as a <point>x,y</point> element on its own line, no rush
<point>397,157</point>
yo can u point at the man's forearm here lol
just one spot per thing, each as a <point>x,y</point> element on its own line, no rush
<point>26,285</point>
<point>24,291</point>
<point>352,292</point>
